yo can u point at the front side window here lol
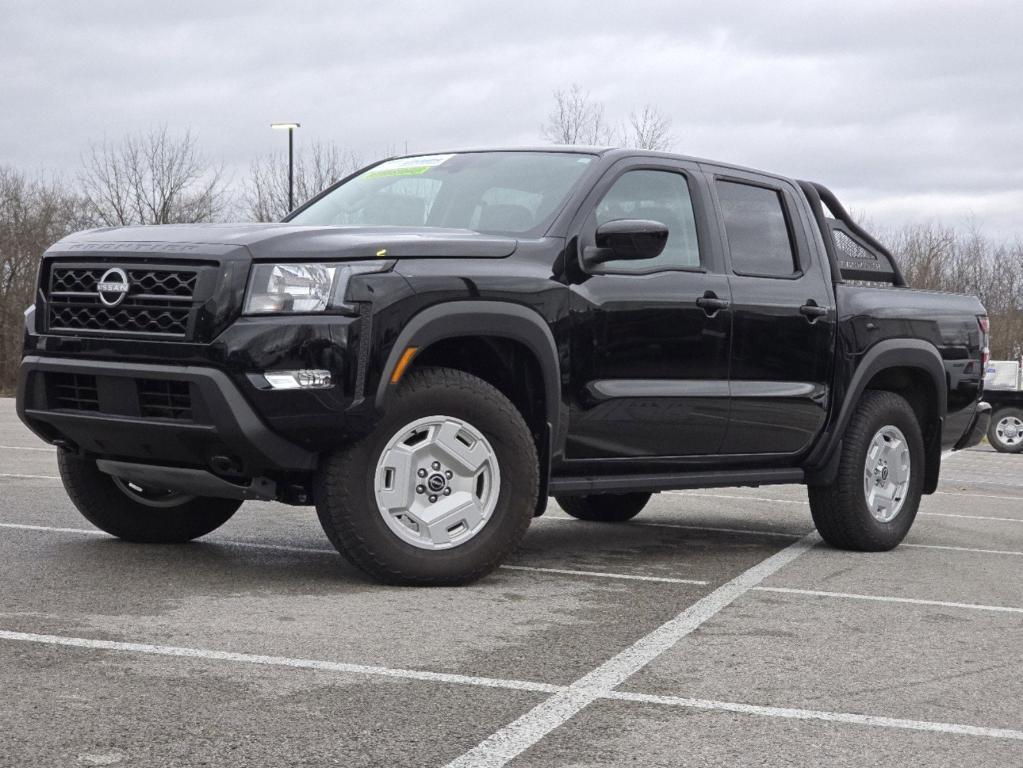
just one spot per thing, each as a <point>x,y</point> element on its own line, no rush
<point>661,196</point>
<point>758,232</point>
<point>510,193</point>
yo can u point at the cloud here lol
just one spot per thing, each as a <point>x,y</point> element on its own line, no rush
<point>911,110</point>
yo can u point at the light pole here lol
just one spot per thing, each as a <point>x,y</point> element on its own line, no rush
<point>290,128</point>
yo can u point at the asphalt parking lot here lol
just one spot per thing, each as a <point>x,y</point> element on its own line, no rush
<point>713,630</point>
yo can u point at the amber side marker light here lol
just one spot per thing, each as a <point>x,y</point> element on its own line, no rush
<point>403,361</point>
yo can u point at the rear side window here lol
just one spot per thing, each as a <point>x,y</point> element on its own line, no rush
<point>758,232</point>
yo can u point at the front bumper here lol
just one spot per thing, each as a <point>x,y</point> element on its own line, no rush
<point>183,415</point>
<point>978,427</point>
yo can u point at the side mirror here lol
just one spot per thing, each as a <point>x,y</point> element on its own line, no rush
<point>632,239</point>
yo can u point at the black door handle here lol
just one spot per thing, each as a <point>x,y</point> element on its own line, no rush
<point>710,303</point>
<point>811,311</point>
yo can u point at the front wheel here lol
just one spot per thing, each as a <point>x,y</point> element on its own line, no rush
<point>604,507</point>
<point>441,491</point>
<point>1006,431</point>
<point>134,513</point>
<point>873,501</point>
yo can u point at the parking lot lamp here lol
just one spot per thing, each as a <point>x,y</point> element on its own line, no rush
<point>290,128</point>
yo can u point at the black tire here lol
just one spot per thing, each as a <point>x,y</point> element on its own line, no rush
<point>344,487</point>
<point>107,504</point>
<point>605,507</point>
<point>840,510</point>
<point>997,442</point>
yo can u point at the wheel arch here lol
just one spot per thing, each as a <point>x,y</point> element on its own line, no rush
<point>482,337</point>
<point>908,367</point>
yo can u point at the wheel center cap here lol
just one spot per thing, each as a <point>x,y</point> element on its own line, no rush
<point>884,475</point>
<point>1010,431</point>
<point>436,482</point>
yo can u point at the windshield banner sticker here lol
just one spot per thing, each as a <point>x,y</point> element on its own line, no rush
<point>406,166</point>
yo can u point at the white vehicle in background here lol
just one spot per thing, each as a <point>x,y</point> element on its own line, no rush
<point>1003,388</point>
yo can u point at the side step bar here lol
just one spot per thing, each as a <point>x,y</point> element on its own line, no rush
<point>195,482</point>
<point>671,481</point>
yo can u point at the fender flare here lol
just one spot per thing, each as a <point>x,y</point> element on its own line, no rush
<point>822,463</point>
<point>488,318</point>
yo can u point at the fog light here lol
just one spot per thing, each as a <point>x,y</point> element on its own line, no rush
<point>304,379</point>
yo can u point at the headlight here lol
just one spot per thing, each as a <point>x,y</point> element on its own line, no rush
<point>301,288</point>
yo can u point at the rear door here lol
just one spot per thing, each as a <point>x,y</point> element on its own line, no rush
<point>650,339</point>
<point>783,315</point>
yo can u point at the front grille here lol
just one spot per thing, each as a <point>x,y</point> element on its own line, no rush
<point>168,322</point>
<point>162,399</point>
<point>158,302</point>
<point>74,391</point>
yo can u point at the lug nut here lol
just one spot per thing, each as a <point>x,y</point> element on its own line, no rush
<point>436,465</point>
<point>447,491</point>
<point>433,499</point>
<point>421,473</point>
<point>448,474</point>
<point>420,489</point>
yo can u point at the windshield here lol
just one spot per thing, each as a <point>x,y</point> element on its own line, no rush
<point>513,193</point>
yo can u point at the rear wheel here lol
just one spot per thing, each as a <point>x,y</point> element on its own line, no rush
<point>873,501</point>
<point>135,513</point>
<point>441,491</point>
<point>1006,431</point>
<point>605,507</point>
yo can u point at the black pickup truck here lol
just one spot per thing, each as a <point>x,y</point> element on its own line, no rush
<point>433,346</point>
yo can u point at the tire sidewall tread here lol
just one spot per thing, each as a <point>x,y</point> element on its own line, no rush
<point>840,510</point>
<point>992,436</point>
<point>110,509</point>
<point>344,487</point>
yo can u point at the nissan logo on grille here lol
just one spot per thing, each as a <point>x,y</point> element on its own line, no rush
<point>112,287</point>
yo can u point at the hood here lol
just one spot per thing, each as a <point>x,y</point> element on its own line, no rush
<point>294,242</point>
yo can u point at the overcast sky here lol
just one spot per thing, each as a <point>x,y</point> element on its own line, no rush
<point>909,110</point>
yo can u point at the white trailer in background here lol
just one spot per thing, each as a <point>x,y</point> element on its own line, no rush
<point>1003,388</point>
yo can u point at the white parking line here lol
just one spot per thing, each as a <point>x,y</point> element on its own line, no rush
<point>646,524</point>
<point>604,574</point>
<point>805,504</point>
<point>887,599</point>
<point>964,549</point>
<point>736,497</point>
<point>26,448</point>
<point>51,529</point>
<point>981,480</point>
<point>746,531</point>
<point>29,477</point>
<point>519,735</point>
<point>278,661</point>
<point>811,714</point>
<point>974,517</point>
<point>324,551</point>
<point>978,495</point>
<point>502,683</point>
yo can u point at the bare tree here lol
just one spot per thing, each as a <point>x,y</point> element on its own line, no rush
<point>152,178</point>
<point>33,214</point>
<point>650,129</point>
<point>942,258</point>
<point>577,119</point>
<point>266,191</point>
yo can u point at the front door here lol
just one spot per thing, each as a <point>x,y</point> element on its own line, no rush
<point>650,339</point>
<point>783,322</point>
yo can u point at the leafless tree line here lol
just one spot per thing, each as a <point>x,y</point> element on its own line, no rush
<point>150,178</point>
<point>33,214</point>
<point>944,258</point>
<point>316,168</point>
<point>579,119</point>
